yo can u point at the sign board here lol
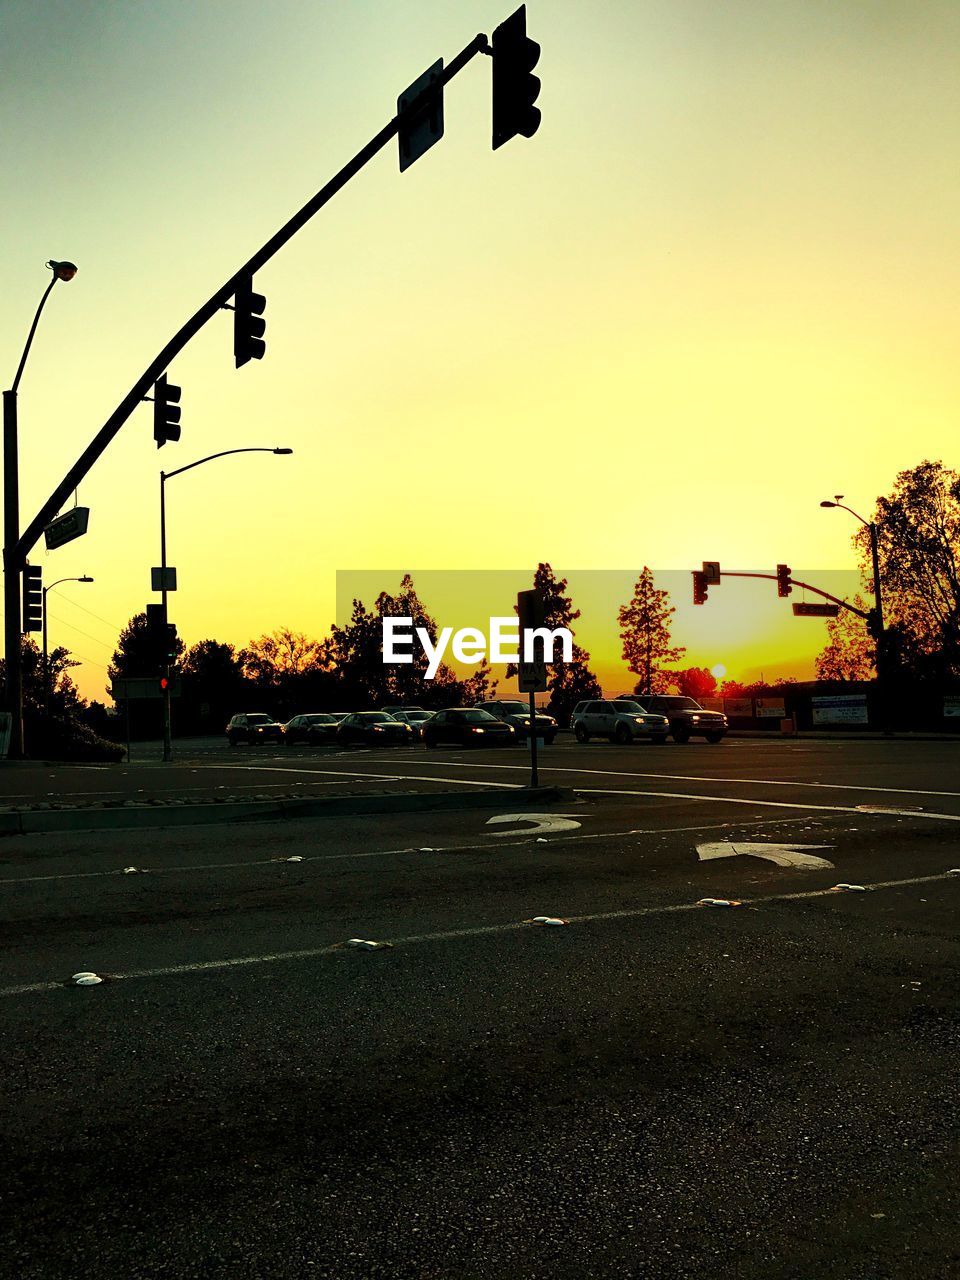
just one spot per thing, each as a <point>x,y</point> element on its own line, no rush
<point>711,572</point>
<point>771,709</point>
<point>6,725</point>
<point>420,108</point>
<point>163,579</point>
<point>951,707</point>
<point>532,677</point>
<point>742,708</point>
<point>146,688</point>
<point>840,709</point>
<point>65,528</point>
<point>816,610</point>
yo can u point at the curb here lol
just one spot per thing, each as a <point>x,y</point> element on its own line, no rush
<point>38,822</point>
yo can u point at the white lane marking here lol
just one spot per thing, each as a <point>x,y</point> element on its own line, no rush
<point>689,777</point>
<point>379,777</point>
<point>784,855</point>
<point>542,822</point>
<point>769,821</point>
<point>860,811</point>
<point>452,935</point>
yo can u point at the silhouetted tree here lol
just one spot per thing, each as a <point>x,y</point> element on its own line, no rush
<point>283,653</point>
<point>64,700</point>
<point>645,631</point>
<point>849,652</point>
<point>918,533</point>
<point>567,682</point>
<point>134,656</point>
<point>695,682</point>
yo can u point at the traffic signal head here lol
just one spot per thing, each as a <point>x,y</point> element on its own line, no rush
<point>170,642</point>
<point>783,580</point>
<point>700,587</point>
<point>166,411</point>
<point>249,325</point>
<point>874,628</point>
<point>515,88</point>
<point>32,598</point>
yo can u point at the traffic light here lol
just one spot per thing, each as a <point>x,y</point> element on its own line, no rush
<point>164,683</point>
<point>166,411</point>
<point>515,88</point>
<point>32,598</point>
<point>249,325</point>
<point>783,580</point>
<point>700,587</point>
<point>874,626</point>
<point>170,640</point>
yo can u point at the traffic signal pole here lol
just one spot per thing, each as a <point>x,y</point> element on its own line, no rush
<point>12,567</point>
<point>142,387</point>
<point>167,699</point>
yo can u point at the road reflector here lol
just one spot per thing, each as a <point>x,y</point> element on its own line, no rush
<point>366,944</point>
<point>295,858</point>
<point>85,979</point>
<point>954,871</point>
<point>547,920</point>
<point>847,888</point>
<point>719,902</point>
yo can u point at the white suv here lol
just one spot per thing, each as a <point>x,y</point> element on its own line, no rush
<point>621,720</point>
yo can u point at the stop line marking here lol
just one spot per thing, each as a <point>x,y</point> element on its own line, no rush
<point>859,811</point>
<point>451,935</point>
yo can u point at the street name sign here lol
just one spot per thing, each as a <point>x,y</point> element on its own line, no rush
<point>72,524</point>
<point>816,610</point>
<point>711,572</point>
<point>420,108</point>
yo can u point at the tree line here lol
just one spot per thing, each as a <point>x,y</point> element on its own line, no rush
<point>284,672</point>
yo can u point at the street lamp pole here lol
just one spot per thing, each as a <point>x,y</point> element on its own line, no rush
<point>164,477</point>
<point>879,628</point>
<point>13,562</point>
<point>46,669</point>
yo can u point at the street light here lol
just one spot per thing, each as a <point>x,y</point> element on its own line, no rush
<point>45,668</point>
<point>881,654</point>
<point>12,563</point>
<point>164,477</point>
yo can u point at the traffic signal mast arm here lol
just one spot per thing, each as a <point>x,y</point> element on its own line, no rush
<point>795,582</point>
<point>143,386</point>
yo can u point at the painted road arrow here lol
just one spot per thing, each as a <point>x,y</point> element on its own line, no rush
<point>784,855</point>
<point>542,822</point>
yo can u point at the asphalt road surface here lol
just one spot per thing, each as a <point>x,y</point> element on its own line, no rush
<point>655,1088</point>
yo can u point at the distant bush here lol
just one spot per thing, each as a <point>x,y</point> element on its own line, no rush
<point>53,738</point>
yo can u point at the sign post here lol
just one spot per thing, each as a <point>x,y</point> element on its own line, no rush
<point>532,676</point>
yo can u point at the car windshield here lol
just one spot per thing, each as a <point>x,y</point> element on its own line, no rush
<point>475,716</point>
<point>681,704</point>
<point>259,719</point>
<point>321,719</point>
<point>513,708</point>
<point>376,717</point>
<point>418,715</point>
<point>627,704</point>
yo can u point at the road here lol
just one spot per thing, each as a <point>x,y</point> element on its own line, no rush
<point>656,1088</point>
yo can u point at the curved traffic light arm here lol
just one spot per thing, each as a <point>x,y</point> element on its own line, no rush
<point>795,582</point>
<point>31,535</point>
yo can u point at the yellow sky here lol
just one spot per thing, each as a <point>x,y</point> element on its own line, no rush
<point>719,284</point>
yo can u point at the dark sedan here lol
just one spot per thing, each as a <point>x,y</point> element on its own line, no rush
<point>374,729</point>
<point>314,729</point>
<point>467,727</point>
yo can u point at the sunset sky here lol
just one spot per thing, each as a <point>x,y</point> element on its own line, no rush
<point>718,285</point>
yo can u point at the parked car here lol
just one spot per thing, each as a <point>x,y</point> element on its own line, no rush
<point>374,729</point>
<point>415,718</point>
<point>468,727</point>
<point>314,728</point>
<point>619,720</point>
<point>406,706</point>
<point>517,714</point>
<point>339,715</point>
<point>687,718</point>
<point>253,727</point>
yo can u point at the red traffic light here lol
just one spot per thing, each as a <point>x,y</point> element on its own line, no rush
<point>164,683</point>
